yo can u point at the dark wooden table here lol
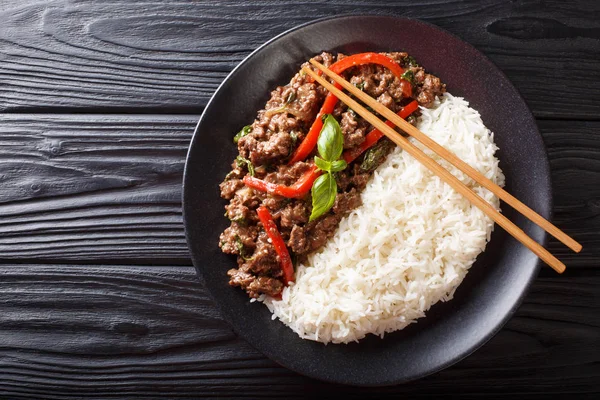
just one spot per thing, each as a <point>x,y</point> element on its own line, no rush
<point>98,101</point>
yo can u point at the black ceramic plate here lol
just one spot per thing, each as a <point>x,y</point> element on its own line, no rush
<point>496,283</point>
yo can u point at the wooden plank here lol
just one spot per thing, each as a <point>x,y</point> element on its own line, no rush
<point>108,331</point>
<point>574,154</point>
<point>171,55</point>
<point>118,196</point>
<point>81,187</point>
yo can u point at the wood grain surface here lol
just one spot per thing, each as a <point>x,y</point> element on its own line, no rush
<point>109,331</point>
<point>93,187</point>
<point>98,101</point>
<point>171,55</point>
<point>119,193</point>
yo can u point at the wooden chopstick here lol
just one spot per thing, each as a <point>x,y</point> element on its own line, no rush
<point>444,174</point>
<point>453,159</point>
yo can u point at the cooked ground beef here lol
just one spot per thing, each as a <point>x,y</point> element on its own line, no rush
<point>238,238</point>
<point>255,285</point>
<point>353,128</point>
<point>294,213</point>
<point>286,174</point>
<point>318,231</point>
<point>298,242</point>
<point>346,201</point>
<point>264,260</point>
<point>273,137</point>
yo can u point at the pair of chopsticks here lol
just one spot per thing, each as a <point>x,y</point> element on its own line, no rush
<point>444,174</point>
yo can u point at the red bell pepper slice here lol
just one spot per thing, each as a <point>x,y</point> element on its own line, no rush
<point>310,141</point>
<point>367,58</point>
<point>304,184</point>
<point>295,191</point>
<point>284,256</point>
<point>374,136</point>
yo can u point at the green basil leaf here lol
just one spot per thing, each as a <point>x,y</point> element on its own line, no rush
<point>241,161</point>
<point>323,193</point>
<point>338,165</point>
<point>322,164</point>
<point>331,139</point>
<point>374,156</point>
<point>245,130</point>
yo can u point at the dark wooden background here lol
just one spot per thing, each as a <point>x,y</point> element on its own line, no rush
<point>98,101</point>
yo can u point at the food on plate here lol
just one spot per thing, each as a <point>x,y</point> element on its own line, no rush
<point>335,229</point>
<point>407,246</point>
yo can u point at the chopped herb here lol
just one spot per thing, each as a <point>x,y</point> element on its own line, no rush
<point>294,137</point>
<point>374,156</point>
<point>409,76</point>
<point>241,248</point>
<point>360,85</point>
<point>239,220</point>
<point>245,130</point>
<point>229,175</point>
<point>410,61</point>
<point>241,161</point>
<point>291,97</point>
<point>411,119</point>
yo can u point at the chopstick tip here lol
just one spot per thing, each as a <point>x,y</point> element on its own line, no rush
<point>558,266</point>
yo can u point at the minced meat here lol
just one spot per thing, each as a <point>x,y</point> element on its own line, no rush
<point>272,138</point>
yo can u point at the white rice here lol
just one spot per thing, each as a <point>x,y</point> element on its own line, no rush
<point>408,246</point>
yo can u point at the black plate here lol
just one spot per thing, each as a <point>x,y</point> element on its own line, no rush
<point>495,285</point>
